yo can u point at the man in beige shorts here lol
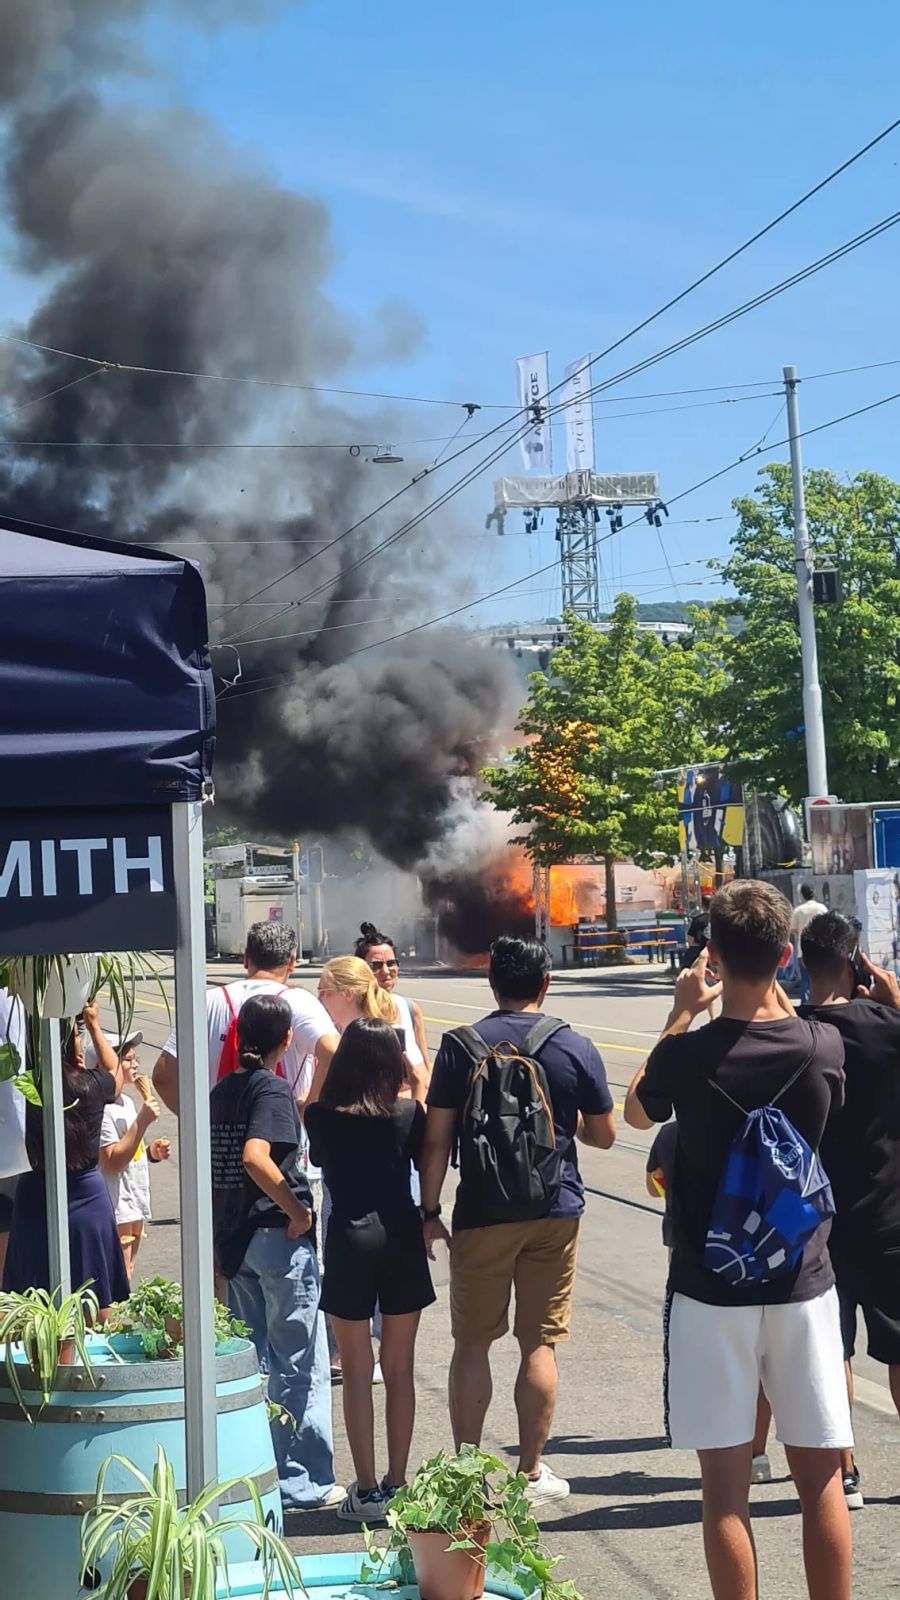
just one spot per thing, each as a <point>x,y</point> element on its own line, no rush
<point>490,1259</point>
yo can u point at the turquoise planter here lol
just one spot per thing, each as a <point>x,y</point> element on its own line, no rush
<point>48,1470</point>
<point>336,1577</point>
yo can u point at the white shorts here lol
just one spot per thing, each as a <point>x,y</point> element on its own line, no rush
<point>717,1357</point>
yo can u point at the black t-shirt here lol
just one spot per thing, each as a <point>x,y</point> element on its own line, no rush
<point>250,1105</point>
<point>861,1146</point>
<point>576,1080</point>
<point>86,1095</point>
<point>752,1061</point>
<point>365,1160</point>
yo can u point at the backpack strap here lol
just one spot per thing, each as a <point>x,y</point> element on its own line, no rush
<point>229,1002</point>
<point>472,1043</point>
<point>807,1060</point>
<point>539,1035</point>
<point>801,1069</point>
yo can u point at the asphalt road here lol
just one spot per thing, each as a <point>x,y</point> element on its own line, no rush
<point>631,1526</point>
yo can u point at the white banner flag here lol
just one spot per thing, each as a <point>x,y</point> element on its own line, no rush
<point>579,414</point>
<point>534,382</point>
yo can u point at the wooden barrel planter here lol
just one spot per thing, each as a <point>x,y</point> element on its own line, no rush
<point>48,1470</point>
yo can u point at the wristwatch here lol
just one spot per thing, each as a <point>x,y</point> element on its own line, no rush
<point>430,1216</point>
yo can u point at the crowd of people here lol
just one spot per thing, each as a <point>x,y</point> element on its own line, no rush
<point>332,1134</point>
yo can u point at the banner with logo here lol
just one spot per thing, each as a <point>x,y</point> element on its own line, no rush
<point>579,415</point>
<point>710,811</point>
<point>534,383</point>
<point>84,879</point>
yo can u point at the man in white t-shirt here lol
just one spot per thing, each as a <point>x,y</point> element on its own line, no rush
<point>269,959</point>
<point>808,908</point>
<point>13,1159</point>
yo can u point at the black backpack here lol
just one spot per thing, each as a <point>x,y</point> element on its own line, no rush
<point>506,1142</point>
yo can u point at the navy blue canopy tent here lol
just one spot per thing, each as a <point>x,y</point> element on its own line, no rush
<point>103,657</point>
<point>107,719</point>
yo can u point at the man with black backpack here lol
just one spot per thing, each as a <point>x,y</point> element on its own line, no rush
<point>751,1297</point>
<point>511,1095</point>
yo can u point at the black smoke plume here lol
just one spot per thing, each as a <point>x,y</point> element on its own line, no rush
<point>163,249</point>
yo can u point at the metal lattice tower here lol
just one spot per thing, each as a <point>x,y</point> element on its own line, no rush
<point>579,567</point>
<point>577,498</point>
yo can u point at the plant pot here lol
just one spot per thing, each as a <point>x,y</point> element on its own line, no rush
<point>174,1332</point>
<point>65,1355</point>
<point>67,989</point>
<point>137,1589</point>
<point>443,1574</point>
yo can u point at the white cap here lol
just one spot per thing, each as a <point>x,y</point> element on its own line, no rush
<point>121,1047</point>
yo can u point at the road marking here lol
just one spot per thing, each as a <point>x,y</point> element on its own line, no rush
<point>158,1005</point>
<point>608,1044</point>
<point>450,1022</point>
<point>459,1005</point>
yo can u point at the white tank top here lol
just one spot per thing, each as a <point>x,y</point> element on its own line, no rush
<point>406,1023</point>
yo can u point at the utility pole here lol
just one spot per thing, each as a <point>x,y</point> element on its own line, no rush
<point>816,760</point>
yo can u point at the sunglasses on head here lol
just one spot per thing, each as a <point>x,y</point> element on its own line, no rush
<point>392,966</point>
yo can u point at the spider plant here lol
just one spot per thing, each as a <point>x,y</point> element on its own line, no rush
<point>45,1325</point>
<point>119,975</point>
<point>53,985</point>
<point>152,1545</point>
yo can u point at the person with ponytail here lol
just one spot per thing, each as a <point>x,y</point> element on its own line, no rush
<point>379,952</point>
<point>265,1245</point>
<point>364,1136</point>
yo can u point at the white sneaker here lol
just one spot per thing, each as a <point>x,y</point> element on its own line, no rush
<point>334,1497</point>
<point>362,1505</point>
<point>546,1486</point>
<point>761,1470</point>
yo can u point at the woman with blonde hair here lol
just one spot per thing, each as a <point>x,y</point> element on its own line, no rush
<point>349,989</point>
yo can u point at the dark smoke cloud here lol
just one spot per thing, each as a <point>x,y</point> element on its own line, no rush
<point>163,249</point>
<point>48,39</point>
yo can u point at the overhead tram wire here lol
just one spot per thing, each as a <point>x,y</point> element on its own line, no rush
<point>800,276</point>
<point>103,364</point>
<point>344,444</point>
<point>398,533</point>
<point>771,293</point>
<point>833,422</point>
<point>419,399</point>
<point>675,300</point>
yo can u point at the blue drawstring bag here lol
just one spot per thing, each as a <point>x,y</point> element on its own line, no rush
<point>773,1195</point>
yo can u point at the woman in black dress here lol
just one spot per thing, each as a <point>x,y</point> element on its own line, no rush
<point>94,1246</point>
<point>364,1137</point>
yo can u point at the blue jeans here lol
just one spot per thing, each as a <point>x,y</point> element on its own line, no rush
<point>276,1291</point>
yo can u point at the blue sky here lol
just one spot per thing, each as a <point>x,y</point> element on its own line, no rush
<point>527,176</point>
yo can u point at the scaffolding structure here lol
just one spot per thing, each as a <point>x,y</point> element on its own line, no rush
<point>541,903</point>
<point>577,498</point>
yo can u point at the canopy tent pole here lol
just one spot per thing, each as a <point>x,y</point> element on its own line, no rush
<point>194,1166</point>
<point>55,1159</point>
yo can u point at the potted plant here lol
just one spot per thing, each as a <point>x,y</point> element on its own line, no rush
<point>51,1332</point>
<point>153,1315</point>
<point>460,1515</point>
<point>152,1548</point>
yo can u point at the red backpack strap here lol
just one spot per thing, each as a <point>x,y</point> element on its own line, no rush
<point>228,1055</point>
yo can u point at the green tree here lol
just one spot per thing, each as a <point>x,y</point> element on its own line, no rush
<point>618,707</point>
<point>855,527</point>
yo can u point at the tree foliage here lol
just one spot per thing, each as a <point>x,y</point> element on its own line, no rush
<point>618,707</point>
<point>855,527</point>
